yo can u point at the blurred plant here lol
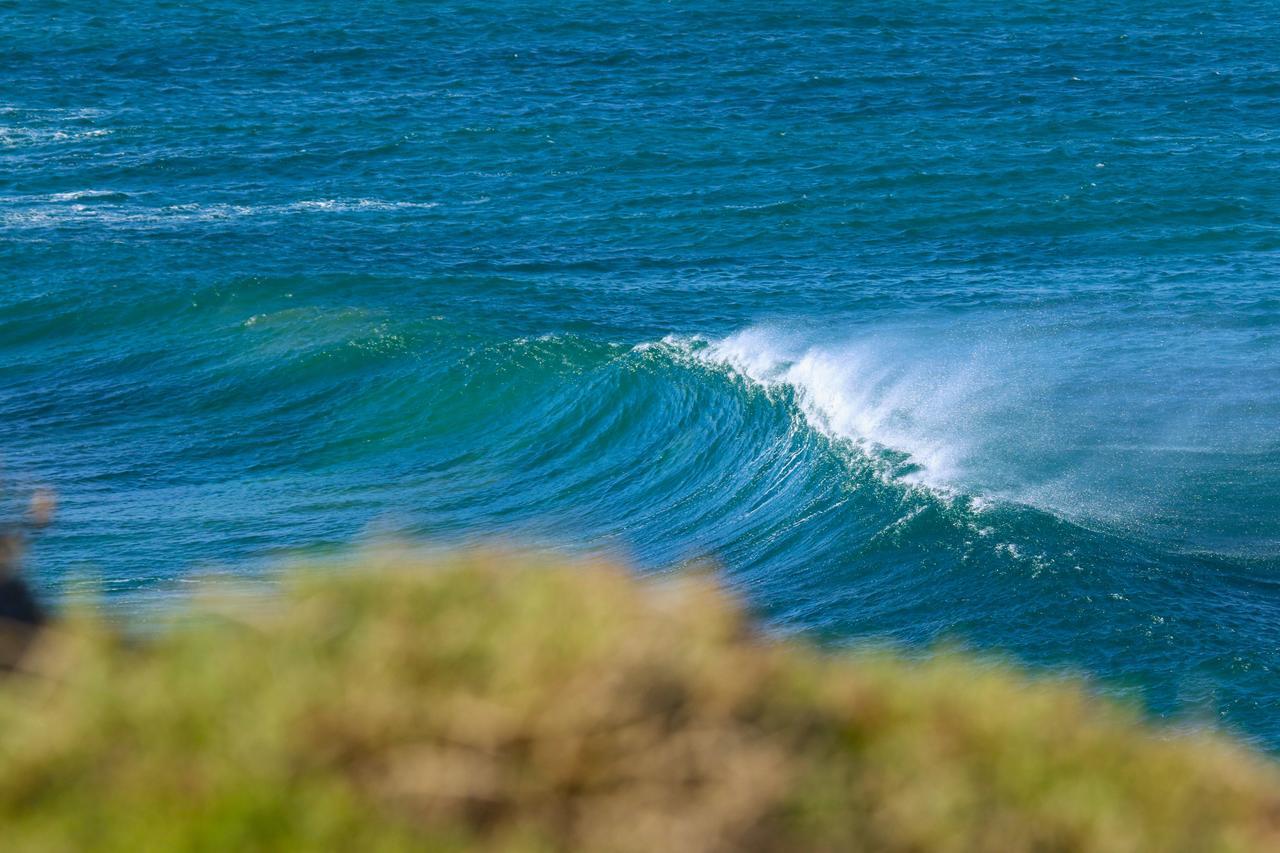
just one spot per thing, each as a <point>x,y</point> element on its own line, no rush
<point>506,702</point>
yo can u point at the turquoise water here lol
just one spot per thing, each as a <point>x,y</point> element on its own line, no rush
<point>926,321</point>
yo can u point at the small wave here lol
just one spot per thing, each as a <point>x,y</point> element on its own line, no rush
<point>97,207</point>
<point>89,196</point>
<point>340,205</point>
<point>15,137</point>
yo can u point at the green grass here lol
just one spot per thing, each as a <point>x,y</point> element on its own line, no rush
<point>491,701</point>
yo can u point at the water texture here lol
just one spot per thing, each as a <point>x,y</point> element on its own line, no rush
<point>927,321</point>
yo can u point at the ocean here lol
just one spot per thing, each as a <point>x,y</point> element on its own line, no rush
<point>928,323</point>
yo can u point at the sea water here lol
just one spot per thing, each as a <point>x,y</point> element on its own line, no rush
<point>927,322</point>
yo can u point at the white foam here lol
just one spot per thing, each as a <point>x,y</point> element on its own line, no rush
<point>83,206</point>
<point>87,195</point>
<point>16,136</point>
<point>856,391</point>
<point>343,205</point>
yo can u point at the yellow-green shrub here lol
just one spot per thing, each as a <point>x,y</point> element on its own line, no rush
<point>490,701</point>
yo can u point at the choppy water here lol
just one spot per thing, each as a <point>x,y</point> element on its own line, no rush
<point>925,320</point>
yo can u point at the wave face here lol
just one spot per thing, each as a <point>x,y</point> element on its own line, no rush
<point>948,325</point>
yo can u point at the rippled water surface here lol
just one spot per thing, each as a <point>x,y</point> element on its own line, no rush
<point>927,321</point>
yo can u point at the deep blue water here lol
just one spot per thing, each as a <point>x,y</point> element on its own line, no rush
<point>929,322</point>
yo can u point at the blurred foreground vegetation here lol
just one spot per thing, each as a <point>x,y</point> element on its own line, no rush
<point>489,701</point>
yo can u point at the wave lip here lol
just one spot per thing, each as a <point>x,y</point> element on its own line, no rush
<point>845,392</point>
